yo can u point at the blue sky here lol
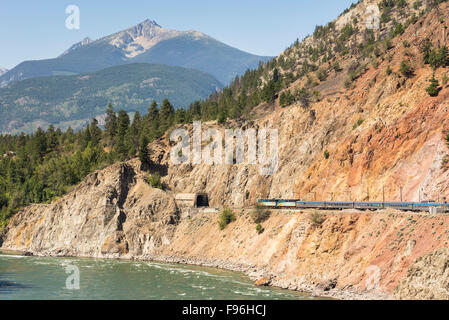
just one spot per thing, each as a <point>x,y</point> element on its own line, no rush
<point>32,30</point>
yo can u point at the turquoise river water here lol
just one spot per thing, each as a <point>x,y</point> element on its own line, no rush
<point>59,278</point>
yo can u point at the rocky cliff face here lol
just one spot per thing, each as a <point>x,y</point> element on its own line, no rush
<point>113,213</point>
<point>427,278</point>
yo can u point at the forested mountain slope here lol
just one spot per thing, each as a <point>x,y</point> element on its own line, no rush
<point>73,100</point>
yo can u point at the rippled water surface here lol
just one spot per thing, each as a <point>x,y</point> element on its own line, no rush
<point>45,278</point>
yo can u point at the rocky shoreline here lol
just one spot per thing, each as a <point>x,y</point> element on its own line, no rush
<point>259,276</point>
<point>256,274</point>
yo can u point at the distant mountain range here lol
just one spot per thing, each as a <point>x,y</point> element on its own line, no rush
<point>3,71</point>
<point>73,100</point>
<point>146,42</point>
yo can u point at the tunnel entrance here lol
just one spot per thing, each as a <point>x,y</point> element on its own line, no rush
<point>192,200</point>
<point>202,200</point>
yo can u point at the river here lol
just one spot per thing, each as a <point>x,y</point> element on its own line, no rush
<point>51,278</point>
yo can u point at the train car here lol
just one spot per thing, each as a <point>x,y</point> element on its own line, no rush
<point>339,205</point>
<point>301,204</point>
<point>310,204</point>
<point>369,205</point>
<point>267,203</point>
<point>428,206</point>
<point>286,203</point>
<point>399,205</point>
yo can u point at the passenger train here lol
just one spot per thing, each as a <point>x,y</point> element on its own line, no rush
<point>431,206</point>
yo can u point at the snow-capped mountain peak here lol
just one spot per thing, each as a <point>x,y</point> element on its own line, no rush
<point>143,36</point>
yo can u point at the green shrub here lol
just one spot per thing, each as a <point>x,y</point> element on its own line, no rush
<point>286,98</point>
<point>226,217</point>
<point>326,154</point>
<point>426,49</point>
<point>259,228</point>
<point>439,57</point>
<point>303,97</point>
<point>406,69</point>
<point>417,5</point>
<point>401,3</point>
<point>321,74</point>
<point>348,83</point>
<point>434,88</point>
<point>260,214</point>
<point>154,180</point>
<point>337,67</point>
<point>317,219</point>
<point>389,71</point>
<point>357,124</point>
<point>397,30</point>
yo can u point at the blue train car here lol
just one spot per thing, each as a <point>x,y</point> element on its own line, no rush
<point>286,203</point>
<point>267,203</point>
<point>341,205</point>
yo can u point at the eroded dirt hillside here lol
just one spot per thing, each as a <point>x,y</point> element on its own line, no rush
<point>384,135</point>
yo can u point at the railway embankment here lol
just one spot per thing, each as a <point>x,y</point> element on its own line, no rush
<point>342,254</point>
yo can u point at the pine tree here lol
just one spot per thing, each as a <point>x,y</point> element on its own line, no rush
<point>433,89</point>
<point>153,111</point>
<point>52,139</point>
<point>166,115</point>
<point>152,129</point>
<point>39,143</point>
<point>85,138</point>
<point>269,92</point>
<point>122,145</point>
<point>196,110</point>
<point>180,116</point>
<point>110,123</point>
<point>95,132</point>
<point>122,123</point>
<point>426,49</point>
<point>134,131</point>
<point>143,150</point>
<point>406,69</point>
